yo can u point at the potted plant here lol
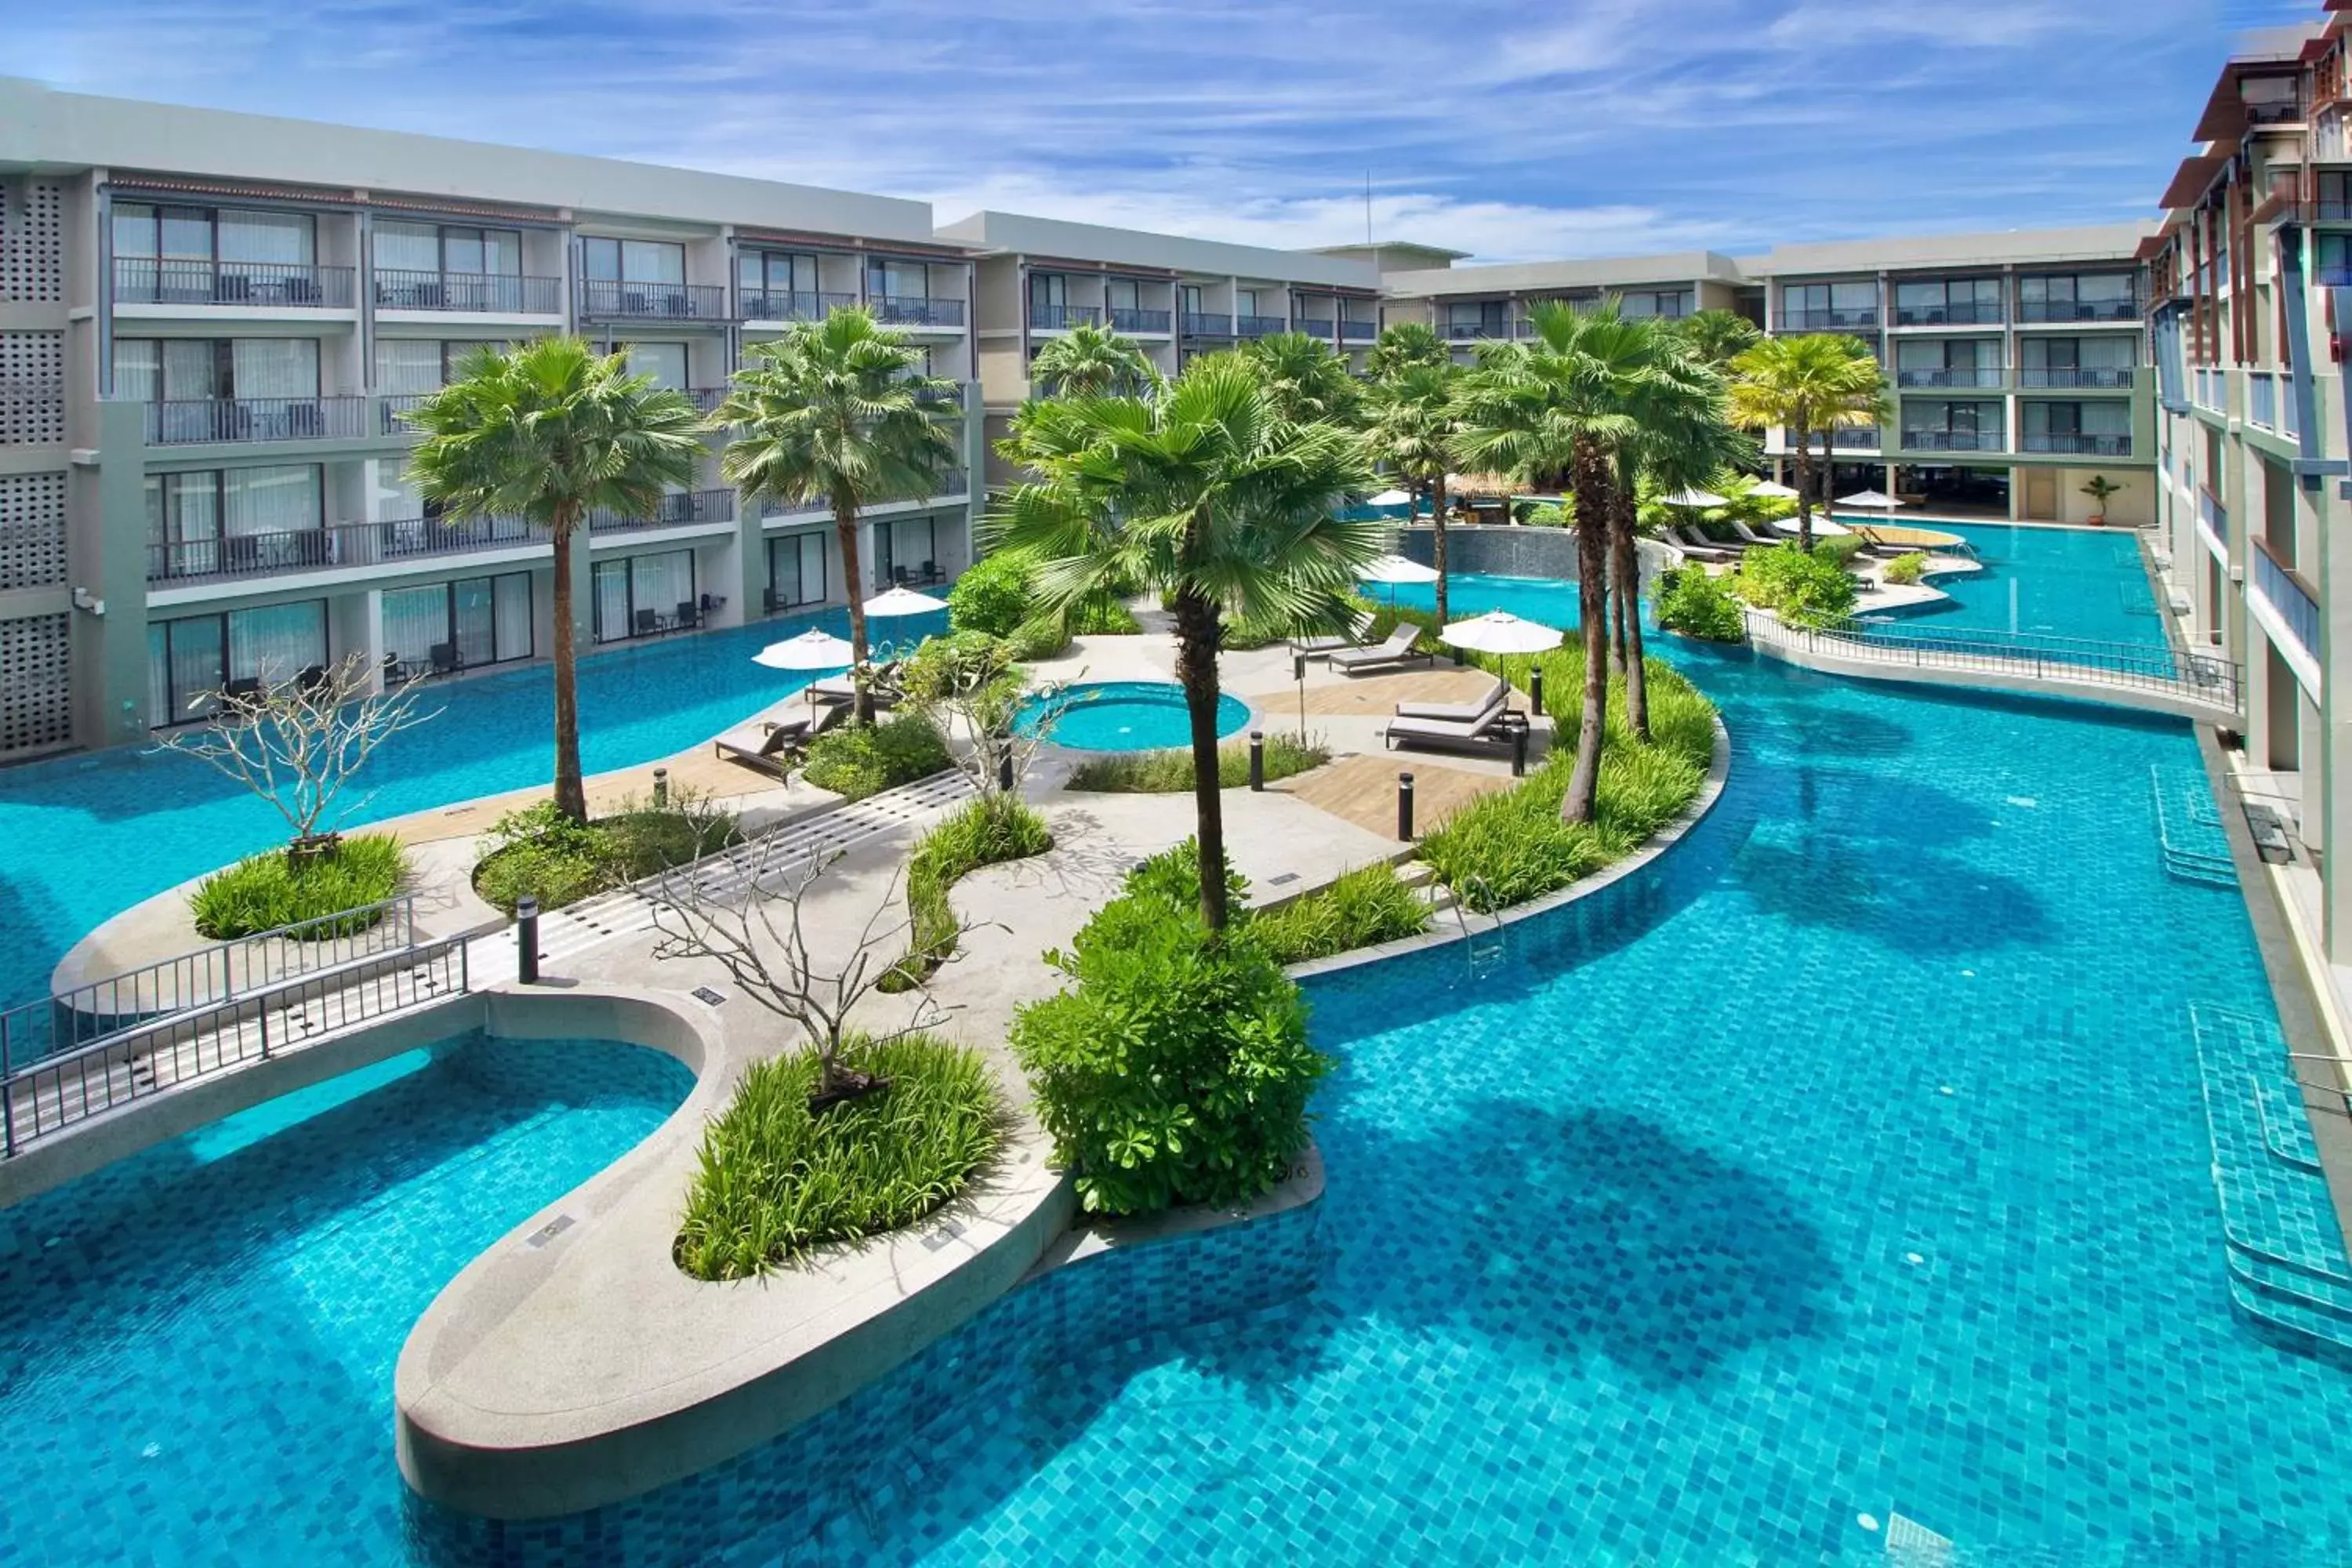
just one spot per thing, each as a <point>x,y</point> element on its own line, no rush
<point>2099,489</point>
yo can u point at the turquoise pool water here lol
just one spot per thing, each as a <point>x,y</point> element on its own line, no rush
<point>198,1343</point>
<point>2074,583</point>
<point>1129,716</point>
<point>82,839</point>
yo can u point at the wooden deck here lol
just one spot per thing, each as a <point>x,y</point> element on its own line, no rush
<point>1376,696</point>
<point>1363,789</point>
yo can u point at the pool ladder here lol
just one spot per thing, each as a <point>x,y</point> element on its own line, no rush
<point>1486,952</point>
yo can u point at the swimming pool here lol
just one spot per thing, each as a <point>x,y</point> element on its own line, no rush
<point>2059,581</point>
<point>198,1342</point>
<point>82,839</point>
<point>1129,716</point>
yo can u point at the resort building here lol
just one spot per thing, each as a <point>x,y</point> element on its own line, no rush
<point>2249,315</point>
<point>1174,297</point>
<point>211,322</point>
<point>2017,360</point>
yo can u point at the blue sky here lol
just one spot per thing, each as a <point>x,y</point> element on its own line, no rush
<point>1510,130</point>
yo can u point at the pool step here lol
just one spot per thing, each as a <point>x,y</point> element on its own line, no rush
<point>2189,838</point>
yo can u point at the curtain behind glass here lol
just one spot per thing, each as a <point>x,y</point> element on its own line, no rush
<point>405,365</point>
<point>187,233</point>
<point>284,239</point>
<point>664,581</point>
<point>159,675</point>
<point>415,619</point>
<point>272,367</point>
<point>134,229</point>
<point>275,500</point>
<point>191,369</point>
<point>277,642</point>
<point>138,369</point>
<point>471,599</point>
<point>666,363</point>
<point>511,598</point>
<point>652,261</point>
<point>408,247</point>
<point>612,593</point>
<point>195,660</point>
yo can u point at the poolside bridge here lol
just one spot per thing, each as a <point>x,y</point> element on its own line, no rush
<point>2130,675</point>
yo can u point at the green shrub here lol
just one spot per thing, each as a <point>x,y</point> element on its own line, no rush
<point>1551,514</point>
<point>1692,602</point>
<point>996,595</point>
<point>775,1182</point>
<point>1102,615</point>
<point>539,852</point>
<point>1173,877</point>
<point>1839,549</point>
<point>1907,568</point>
<point>1365,907</point>
<point>1178,1070</point>
<point>1041,636</point>
<point>266,891</point>
<point>1806,588</point>
<point>866,759</point>
<point>985,832</point>
<point>1170,772</point>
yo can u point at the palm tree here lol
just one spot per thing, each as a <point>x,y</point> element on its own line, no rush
<point>839,413</point>
<point>1304,380</point>
<point>1558,410</point>
<point>1088,361</point>
<point>1402,346</point>
<point>552,431</point>
<point>1208,494</point>
<point>1822,382</point>
<point>1717,337</point>
<point>1415,422</point>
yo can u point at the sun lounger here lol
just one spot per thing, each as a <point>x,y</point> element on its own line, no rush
<point>839,689</point>
<point>1700,549</point>
<point>1397,649</point>
<point>1750,536</point>
<point>1491,728</point>
<point>1455,712</point>
<point>765,744</point>
<point>1326,646</point>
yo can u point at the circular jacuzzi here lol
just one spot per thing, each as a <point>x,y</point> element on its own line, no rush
<point>1125,716</point>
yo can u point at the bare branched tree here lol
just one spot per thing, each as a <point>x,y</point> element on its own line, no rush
<point>757,931</point>
<point>300,743</point>
<point>974,682</point>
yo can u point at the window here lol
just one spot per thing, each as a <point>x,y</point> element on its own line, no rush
<point>190,660</point>
<point>407,366</point>
<point>897,281</point>
<point>1948,361</point>
<point>2078,297</point>
<point>1952,426</point>
<point>780,274</point>
<point>643,594</point>
<point>1189,297</point>
<point>905,550</point>
<point>225,235</point>
<point>1245,302</point>
<point>1668,303</point>
<point>633,260</point>
<point>211,520</point>
<point>430,247</point>
<point>666,363</point>
<point>484,620</point>
<point>795,571</point>
<point>1123,294</point>
<point>1959,301</point>
<point>171,370</point>
<point>1050,290</point>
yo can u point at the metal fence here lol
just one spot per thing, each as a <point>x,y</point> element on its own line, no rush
<point>2200,677</point>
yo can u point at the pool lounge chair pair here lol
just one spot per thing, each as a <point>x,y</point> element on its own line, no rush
<point>840,691</point>
<point>1483,724</point>
<point>1397,650</point>
<point>776,746</point>
<point>1357,630</point>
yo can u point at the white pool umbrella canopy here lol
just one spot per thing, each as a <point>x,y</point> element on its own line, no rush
<point>1395,569</point>
<point>810,650</point>
<point>1694,497</point>
<point>900,602</point>
<point>1499,631</point>
<point>1388,497</point>
<point>1877,500</point>
<point>1822,526</point>
<point>1771,489</point>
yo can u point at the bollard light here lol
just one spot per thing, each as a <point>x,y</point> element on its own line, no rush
<point>1535,691</point>
<point>527,940</point>
<point>1257,759</point>
<point>661,789</point>
<point>1004,768</point>
<point>1404,807</point>
<point>1518,750</point>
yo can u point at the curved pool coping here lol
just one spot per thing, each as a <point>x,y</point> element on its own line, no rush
<point>1250,720</point>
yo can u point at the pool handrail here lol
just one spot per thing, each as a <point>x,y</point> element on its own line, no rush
<point>2208,679</point>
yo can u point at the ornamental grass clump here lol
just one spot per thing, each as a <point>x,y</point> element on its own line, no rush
<point>1365,907</point>
<point>986,832</point>
<point>1170,772</point>
<point>774,1180</point>
<point>279,888</point>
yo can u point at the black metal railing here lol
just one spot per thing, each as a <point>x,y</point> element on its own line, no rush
<point>227,557</point>
<point>391,406</point>
<point>2333,275</point>
<point>196,420</point>
<point>1475,332</point>
<point>1132,318</point>
<point>1355,331</point>
<point>1207,324</point>
<point>1829,320</point>
<point>1857,438</point>
<point>1953,440</point>
<point>1950,375</point>
<point>1060,318</point>
<point>1958,313</point>
<point>675,512</point>
<point>168,281</point>
<point>1259,326</point>
<point>611,299</point>
<point>486,293</point>
<point>2284,586</point>
<point>706,398</point>
<point>907,311</point>
<point>796,305</point>
<point>2117,377</point>
<point>1326,327</point>
<point>2078,310</point>
<point>2080,441</point>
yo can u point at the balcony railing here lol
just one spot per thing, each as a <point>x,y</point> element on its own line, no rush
<point>912,311</point>
<point>951,398</point>
<point>675,512</point>
<point>2209,388</point>
<point>1952,440</point>
<point>2213,517</point>
<point>2297,606</point>
<point>1950,375</point>
<point>608,298</point>
<point>801,305</point>
<point>706,397</point>
<point>1476,331</point>
<point>343,544</point>
<point>2113,377</point>
<point>391,406</point>
<point>1259,326</point>
<point>1061,318</point>
<point>2333,275</point>
<point>1128,318</point>
<point>1855,438</point>
<point>167,280</point>
<point>1355,331</point>
<point>2327,209</point>
<point>2078,309</point>
<point>486,293</point>
<point>2262,400</point>
<point>1828,320</point>
<point>191,421</point>
<point>1960,314</point>
<point>1327,328</point>
<point>1206,324</point>
<point>954,482</point>
<point>2085,442</point>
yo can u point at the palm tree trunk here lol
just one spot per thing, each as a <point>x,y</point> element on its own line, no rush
<point>1437,543</point>
<point>1804,488</point>
<point>1628,562</point>
<point>571,794</point>
<point>1196,668</point>
<point>1593,487</point>
<point>852,576</point>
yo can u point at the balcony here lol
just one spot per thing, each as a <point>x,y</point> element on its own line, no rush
<point>706,398</point>
<point>2333,275</point>
<point>2084,443</point>
<point>2112,378</point>
<point>951,398</point>
<point>1128,318</point>
<point>2044,310</point>
<point>1479,331</point>
<point>481,293</point>
<point>1952,440</point>
<point>1952,375</point>
<point>1829,321</point>
<point>167,280</point>
<point>676,511</point>
<point>200,420</point>
<point>621,299</point>
<point>340,545</point>
<point>1355,331</point>
<point>794,306</point>
<point>1206,324</point>
<point>2284,586</point>
<point>1259,326</point>
<point>391,406</point>
<point>2262,400</point>
<point>2213,518</point>
<point>1327,329</point>
<point>910,311</point>
<point>1854,438</point>
<point>1966,313</point>
<point>1062,318</point>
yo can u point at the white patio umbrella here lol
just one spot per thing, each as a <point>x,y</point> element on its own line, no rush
<point>812,649</point>
<point>1771,489</point>
<point>1500,632</point>
<point>1388,497</point>
<point>1875,500</point>
<point>899,602</point>
<point>1825,527</point>
<point>1394,570</point>
<point>1694,497</point>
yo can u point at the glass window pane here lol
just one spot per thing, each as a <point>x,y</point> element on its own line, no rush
<point>197,669</point>
<point>159,675</point>
<point>414,621</point>
<point>502,252</point>
<point>666,363</point>
<point>191,369</point>
<point>284,239</point>
<point>406,366</point>
<point>653,261</point>
<point>461,249</point>
<point>662,583</point>
<point>192,505</point>
<point>471,599</point>
<point>2105,353</point>
<point>138,369</point>
<point>134,229</point>
<point>1913,296</point>
<point>407,247</point>
<point>612,593</point>
<point>510,599</point>
<point>274,367</point>
<point>187,232</point>
<point>277,642</point>
<point>275,500</point>
<point>602,257</point>
<point>2112,418</point>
